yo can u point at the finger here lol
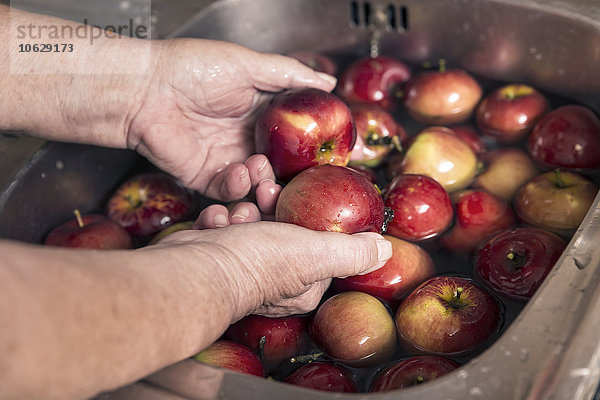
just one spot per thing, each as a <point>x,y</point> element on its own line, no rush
<point>232,183</point>
<point>213,216</point>
<point>244,212</point>
<point>259,169</point>
<point>304,303</point>
<point>267,194</point>
<point>274,72</point>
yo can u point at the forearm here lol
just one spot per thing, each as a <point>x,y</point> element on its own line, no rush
<point>87,95</point>
<point>75,322</point>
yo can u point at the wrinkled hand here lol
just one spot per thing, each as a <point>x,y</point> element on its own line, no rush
<point>278,269</point>
<point>196,120</point>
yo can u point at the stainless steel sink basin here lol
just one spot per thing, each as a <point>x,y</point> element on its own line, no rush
<point>552,349</point>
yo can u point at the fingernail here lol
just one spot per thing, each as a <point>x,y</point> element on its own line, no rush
<point>263,166</point>
<point>242,214</point>
<point>326,77</point>
<point>220,221</point>
<point>384,251</point>
<point>244,174</point>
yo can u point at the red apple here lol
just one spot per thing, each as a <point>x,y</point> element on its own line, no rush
<point>323,376</point>
<point>509,113</point>
<point>515,262</point>
<point>354,327</point>
<point>366,172</point>
<point>567,137</point>
<point>317,61</point>
<point>409,266</point>
<point>233,356</point>
<point>471,137</point>
<point>505,171</point>
<point>422,207</point>
<point>373,80</point>
<point>376,135</point>
<point>331,198</point>
<point>412,371</point>
<point>438,153</point>
<point>89,232</point>
<point>148,203</point>
<point>555,200</point>
<point>302,128</point>
<point>447,315</point>
<point>441,97</point>
<point>479,214</point>
<point>283,337</point>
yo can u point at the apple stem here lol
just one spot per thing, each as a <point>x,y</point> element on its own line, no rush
<point>459,291</point>
<point>79,218</point>
<point>517,259</point>
<point>261,347</point>
<point>442,64</point>
<point>387,218</point>
<point>306,358</point>
<point>559,181</point>
<point>420,379</point>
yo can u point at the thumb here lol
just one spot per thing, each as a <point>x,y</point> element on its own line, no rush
<point>349,255</point>
<point>273,73</point>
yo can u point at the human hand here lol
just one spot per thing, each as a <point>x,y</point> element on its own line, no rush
<point>196,120</point>
<point>278,269</point>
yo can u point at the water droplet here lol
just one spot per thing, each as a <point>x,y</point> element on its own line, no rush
<point>476,392</point>
<point>507,353</point>
<point>523,355</point>
<point>463,374</point>
<point>43,175</point>
<point>485,370</point>
<point>538,57</point>
<point>514,338</point>
<point>580,372</point>
<point>59,165</point>
<point>582,260</point>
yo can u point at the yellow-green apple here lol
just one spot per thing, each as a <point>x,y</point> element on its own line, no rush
<point>566,137</point>
<point>301,128</point>
<point>447,315</point>
<point>147,203</point>
<point>555,200</point>
<point>323,376</point>
<point>376,135</point>
<point>331,198</point>
<point>505,170</point>
<point>412,371</point>
<point>438,153</point>
<point>441,97</point>
<point>374,80</point>
<point>89,232</point>
<point>317,61</point>
<point>422,207</point>
<point>355,328</point>
<point>283,337</point>
<point>515,262</point>
<point>408,267</point>
<point>479,214</point>
<point>233,356</point>
<point>509,113</point>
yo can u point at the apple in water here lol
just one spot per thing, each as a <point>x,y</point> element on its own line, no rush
<point>89,232</point>
<point>446,96</point>
<point>317,61</point>
<point>408,267</point>
<point>412,371</point>
<point>471,137</point>
<point>447,315</point>
<point>438,153</point>
<point>422,207</point>
<point>555,200</point>
<point>355,328</point>
<point>566,137</point>
<point>233,356</point>
<point>515,262</point>
<point>301,128</point>
<point>373,80</point>
<point>509,113</point>
<point>323,376</point>
<point>283,337</point>
<point>376,135</point>
<point>148,203</point>
<point>366,172</point>
<point>505,171</point>
<point>331,198</point>
<point>479,214</point>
